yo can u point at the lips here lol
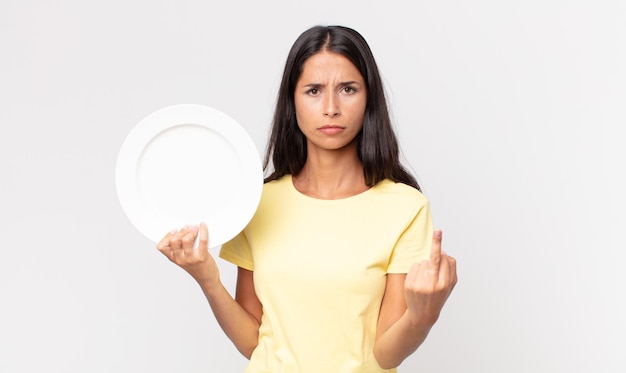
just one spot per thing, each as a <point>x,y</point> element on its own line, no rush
<point>331,129</point>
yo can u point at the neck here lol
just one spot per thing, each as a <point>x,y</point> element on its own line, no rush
<point>331,174</point>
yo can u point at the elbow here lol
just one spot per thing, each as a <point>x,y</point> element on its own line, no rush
<point>386,366</point>
<point>247,347</point>
<point>246,351</point>
<point>385,361</point>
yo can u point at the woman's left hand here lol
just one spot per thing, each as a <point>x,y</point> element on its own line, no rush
<point>429,283</point>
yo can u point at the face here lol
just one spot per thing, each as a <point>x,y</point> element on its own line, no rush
<point>330,99</point>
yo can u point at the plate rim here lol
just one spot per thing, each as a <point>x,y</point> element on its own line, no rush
<point>135,207</point>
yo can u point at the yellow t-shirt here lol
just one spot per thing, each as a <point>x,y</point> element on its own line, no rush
<point>319,272</point>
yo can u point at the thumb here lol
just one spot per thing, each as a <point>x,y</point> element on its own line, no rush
<point>203,236</point>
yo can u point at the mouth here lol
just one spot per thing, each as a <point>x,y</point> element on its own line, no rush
<point>331,129</point>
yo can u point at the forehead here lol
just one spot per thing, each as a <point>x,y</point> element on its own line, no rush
<point>326,65</point>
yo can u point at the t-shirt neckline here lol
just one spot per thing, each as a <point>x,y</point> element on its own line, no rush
<point>294,190</point>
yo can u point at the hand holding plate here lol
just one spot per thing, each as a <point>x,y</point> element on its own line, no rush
<point>178,247</point>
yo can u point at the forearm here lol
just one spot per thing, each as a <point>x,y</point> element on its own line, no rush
<point>240,327</point>
<point>399,341</point>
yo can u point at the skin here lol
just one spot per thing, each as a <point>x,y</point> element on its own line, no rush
<point>330,99</point>
<point>240,325</point>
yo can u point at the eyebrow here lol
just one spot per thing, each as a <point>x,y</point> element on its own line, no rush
<point>320,85</point>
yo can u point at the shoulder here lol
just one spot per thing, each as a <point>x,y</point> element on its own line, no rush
<point>401,192</point>
<point>277,186</point>
<point>390,198</point>
<point>276,192</point>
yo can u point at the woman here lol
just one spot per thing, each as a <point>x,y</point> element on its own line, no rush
<point>339,270</point>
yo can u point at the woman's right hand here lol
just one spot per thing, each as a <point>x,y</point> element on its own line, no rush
<point>178,247</point>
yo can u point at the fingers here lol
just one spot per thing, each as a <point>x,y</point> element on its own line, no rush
<point>203,241</point>
<point>452,263</point>
<point>164,245</point>
<point>431,281</point>
<point>413,274</point>
<point>176,244</point>
<point>440,265</point>
<point>447,277</point>
<point>435,252</point>
<point>188,239</point>
<point>179,244</point>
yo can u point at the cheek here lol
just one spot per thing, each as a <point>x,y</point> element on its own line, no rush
<point>358,114</point>
<point>298,107</point>
<point>301,121</point>
<point>355,107</point>
<point>304,113</point>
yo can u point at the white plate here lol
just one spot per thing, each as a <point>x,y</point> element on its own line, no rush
<point>186,164</point>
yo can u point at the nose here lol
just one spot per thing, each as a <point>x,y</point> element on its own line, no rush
<point>331,106</point>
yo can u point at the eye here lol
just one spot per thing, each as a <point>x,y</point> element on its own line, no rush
<point>313,92</point>
<point>348,90</point>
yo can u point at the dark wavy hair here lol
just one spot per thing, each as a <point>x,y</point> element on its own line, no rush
<point>377,146</point>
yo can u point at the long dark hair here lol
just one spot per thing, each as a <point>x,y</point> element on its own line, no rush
<point>377,146</point>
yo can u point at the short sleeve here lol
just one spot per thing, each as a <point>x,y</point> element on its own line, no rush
<point>413,245</point>
<point>237,251</point>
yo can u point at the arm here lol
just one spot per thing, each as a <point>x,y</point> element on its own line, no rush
<point>411,305</point>
<point>240,319</point>
<point>237,317</point>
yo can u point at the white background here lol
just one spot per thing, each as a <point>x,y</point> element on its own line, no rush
<point>508,111</point>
